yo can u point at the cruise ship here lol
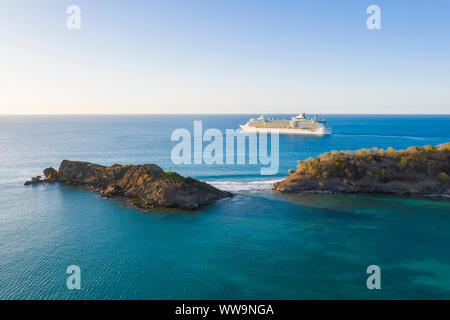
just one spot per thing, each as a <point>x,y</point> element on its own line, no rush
<point>300,124</point>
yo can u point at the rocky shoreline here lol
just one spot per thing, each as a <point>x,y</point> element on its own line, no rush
<point>146,186</point>
<point>415,171</point>
<point>423,171</point>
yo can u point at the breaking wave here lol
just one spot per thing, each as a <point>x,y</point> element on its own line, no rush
<point>243,185</point>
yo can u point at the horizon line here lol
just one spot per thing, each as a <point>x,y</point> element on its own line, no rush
<point>174,114</point>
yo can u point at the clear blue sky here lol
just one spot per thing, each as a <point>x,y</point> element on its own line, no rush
<point>228,56</point>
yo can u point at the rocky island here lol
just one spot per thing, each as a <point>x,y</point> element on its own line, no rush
<point>146,186</point>
<point>414,171</point>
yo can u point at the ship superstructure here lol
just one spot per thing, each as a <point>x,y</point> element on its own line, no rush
<point>300,124</point>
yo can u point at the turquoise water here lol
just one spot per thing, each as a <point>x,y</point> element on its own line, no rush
<point>258,245</point>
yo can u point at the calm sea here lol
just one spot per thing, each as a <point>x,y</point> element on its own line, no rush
<point>258,245</point>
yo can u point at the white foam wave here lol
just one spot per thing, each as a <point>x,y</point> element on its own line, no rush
<point>243,186</point>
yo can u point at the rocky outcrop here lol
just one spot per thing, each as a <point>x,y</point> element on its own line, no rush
<point>145,186</point>
<point>51,175</point>
<point>415,171</point>
<point>37,179</point>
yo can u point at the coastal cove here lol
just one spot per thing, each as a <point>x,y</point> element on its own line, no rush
<point>257,244</point>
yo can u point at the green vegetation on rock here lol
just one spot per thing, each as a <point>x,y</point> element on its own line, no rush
<point>416,170</point>
<point>145,186</point>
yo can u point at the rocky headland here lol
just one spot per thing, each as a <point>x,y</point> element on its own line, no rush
<point>414,171</point>
<point>146,186</point>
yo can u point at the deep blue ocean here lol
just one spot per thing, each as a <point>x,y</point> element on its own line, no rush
<point>258,245</point>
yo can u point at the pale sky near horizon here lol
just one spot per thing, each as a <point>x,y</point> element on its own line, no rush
<point>228,56</point>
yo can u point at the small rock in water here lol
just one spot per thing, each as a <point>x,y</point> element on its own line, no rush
<point>37,179</point>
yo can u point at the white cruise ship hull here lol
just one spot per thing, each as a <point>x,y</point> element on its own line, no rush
<point>315,132</point>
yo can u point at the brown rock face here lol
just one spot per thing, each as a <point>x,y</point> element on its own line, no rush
<point>146,186</point>
<point>51,175</point>
<point>78,172</point>
<point>415,171</point>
